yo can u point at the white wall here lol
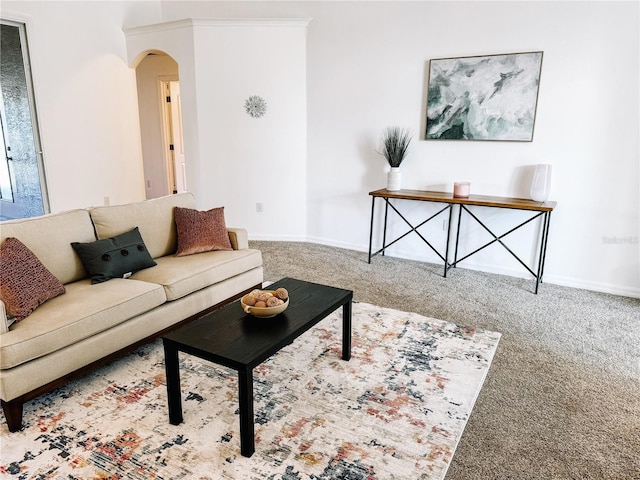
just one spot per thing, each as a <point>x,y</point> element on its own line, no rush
<point>366,64</point>
<point>245,160</point>
<point>85,98</point>
<point>232,159</point>
<point>367,68</point>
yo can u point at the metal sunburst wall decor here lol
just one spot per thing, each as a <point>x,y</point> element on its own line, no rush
<point>255,106</point>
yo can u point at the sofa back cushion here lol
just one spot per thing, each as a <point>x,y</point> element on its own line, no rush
<point>155,219</point>
<point>49,237</point>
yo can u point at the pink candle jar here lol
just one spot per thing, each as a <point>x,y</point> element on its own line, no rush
<point>461,189</point>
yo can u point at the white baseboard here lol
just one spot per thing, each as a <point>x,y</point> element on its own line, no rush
<point>593,286</point>
<point>333,243</point>
<point>279,238</point>
<point>552,279</point>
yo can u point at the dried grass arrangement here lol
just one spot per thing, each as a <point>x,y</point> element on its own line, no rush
<point>395,143</point>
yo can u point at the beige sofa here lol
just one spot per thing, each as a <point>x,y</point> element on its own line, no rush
<point>90,325</point>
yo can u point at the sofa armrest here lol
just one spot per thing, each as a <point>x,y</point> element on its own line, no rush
<point>239,238</point>
<point>4,321</point>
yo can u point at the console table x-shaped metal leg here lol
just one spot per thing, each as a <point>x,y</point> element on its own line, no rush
<point>413,229</point>
<point>498,238</point>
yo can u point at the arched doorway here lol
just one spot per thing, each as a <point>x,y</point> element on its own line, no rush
<point>160,111</point>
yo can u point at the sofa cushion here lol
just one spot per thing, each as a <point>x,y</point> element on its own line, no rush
<point>181,276</point>
<point>115,257</point>
<point>49,237</point>
<point>84,310</point>
<point>25,283</point>
<point>154,218</point>
<point>201,231</point>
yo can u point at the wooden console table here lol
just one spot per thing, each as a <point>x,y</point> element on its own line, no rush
<point>538,209</point>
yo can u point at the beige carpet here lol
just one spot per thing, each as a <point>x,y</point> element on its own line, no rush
<point>562,398</point>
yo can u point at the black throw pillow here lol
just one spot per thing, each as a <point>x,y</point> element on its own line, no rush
<point>116,257</point>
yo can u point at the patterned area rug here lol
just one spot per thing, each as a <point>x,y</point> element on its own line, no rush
<point>396,410</point>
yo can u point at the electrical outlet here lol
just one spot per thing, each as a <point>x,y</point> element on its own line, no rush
<point>259,207</point>
<point>107,201</point>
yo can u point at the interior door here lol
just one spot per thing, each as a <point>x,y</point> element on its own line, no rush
<point>176,129</point>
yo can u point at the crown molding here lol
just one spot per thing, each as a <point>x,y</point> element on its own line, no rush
<point>218,22</point>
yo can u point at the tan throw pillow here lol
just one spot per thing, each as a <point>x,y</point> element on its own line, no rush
<point>25,283</point>
<point>201,231</point>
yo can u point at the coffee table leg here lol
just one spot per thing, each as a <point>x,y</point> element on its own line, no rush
<point>245,394</point>
<point>173,383</point>
<point>346,331</point>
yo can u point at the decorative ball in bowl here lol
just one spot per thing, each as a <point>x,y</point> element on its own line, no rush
<point>265,303</point>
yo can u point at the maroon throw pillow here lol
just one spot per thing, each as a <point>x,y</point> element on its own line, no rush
<point>25,283</point>
<point>201,231</point>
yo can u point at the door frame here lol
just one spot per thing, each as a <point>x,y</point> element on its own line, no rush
<point>164,91</point>
<point>179,160</point>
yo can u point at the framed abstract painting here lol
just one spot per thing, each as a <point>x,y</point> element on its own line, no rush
<point>491,97</point>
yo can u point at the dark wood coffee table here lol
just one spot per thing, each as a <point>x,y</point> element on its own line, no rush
<point>234,339</point>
